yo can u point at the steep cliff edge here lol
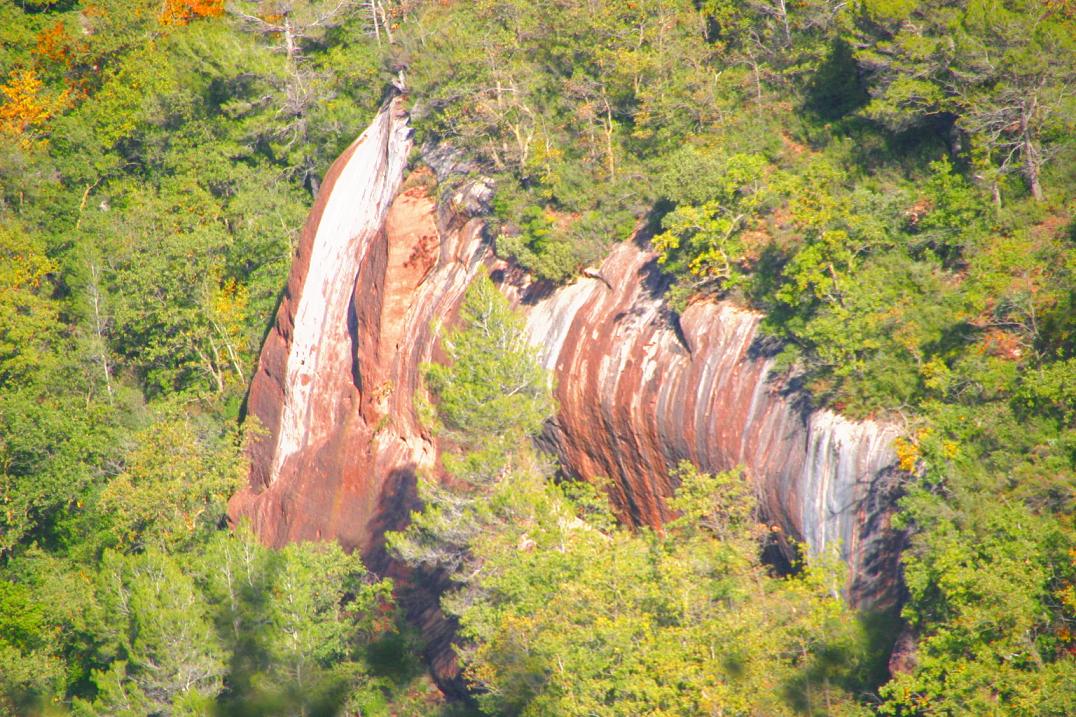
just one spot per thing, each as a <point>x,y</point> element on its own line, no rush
<point>637,390</point>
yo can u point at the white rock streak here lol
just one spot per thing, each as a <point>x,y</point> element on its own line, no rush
<point>549,323</point>
<point>840,455</point>
<point>321,351</point>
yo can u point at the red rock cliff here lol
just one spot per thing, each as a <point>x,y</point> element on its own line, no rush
<point>637,389</point>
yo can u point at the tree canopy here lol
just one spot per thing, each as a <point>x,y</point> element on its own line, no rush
<point>888,182</point>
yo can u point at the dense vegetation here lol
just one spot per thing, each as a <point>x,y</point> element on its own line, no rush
<point>564,612</point>
<point>889,181</point>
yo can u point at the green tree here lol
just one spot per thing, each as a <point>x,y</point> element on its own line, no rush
<point>173,487</point>
<point>781,42</point>
<point>564,103</point>
<point>29,326</point>
<point>155,632</point>
<point>990,586</point>
<point>51,438</point>
<point>490,401</point>
<point>297,622</point>
<point>29,660</point>
<point>313,93</point>
<point>706,242</point>
<point>999,69</point>
<point>493,393</point>
<point>564,618</point>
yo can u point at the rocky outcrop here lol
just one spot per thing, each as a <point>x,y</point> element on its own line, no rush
<point>638,390</point>
<point>309,477</point>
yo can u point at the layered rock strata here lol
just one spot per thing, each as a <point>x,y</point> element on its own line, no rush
<point>638,390</point>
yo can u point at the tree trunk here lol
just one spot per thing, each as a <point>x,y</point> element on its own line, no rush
<point>99,329</point>
<point>609,127</point>
<point>380,7</point>
<point>1031,170</point>
<point>373,13</point>
<point>291,46</point>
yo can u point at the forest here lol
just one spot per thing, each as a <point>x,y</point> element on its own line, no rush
<point>889,183</point>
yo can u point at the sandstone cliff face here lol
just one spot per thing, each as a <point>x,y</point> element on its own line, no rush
<point>638,389</point>
<point>308,477</point>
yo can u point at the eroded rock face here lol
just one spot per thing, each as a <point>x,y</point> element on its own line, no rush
<point>305,391</point>
<point>638,389</point>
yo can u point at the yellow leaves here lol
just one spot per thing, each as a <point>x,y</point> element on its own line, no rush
<point>814,205</point>
<point>936,374</point>
<point>665,244</point>
<point>229,304</point>
<point>22,265</point>
<point>910,450</point>
<point>175,482</point>
<point>26,105</point>
<point>950,449</point>
<point>907,454</point>
<point>181,12</point>
<point>544,158</point>
<point>28,319</point>
<point>644,124</point>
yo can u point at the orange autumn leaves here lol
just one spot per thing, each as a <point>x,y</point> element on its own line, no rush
<point>26,104</point>
<point>180,12</point>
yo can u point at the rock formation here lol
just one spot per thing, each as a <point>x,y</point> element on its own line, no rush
<point>638,389</point>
